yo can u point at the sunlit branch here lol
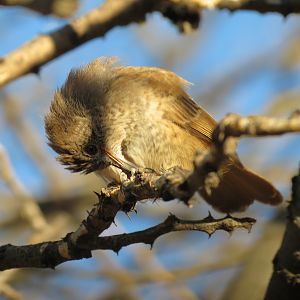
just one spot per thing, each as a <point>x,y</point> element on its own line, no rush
<point>185,14</point>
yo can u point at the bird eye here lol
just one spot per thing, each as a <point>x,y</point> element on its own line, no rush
<point>91,149</point>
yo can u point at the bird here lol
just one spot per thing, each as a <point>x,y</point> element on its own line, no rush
<point>108,119</point>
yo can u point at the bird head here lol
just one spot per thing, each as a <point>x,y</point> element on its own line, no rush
<point>69,123</point>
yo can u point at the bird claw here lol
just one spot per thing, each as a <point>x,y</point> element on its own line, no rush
<point>135,172</point>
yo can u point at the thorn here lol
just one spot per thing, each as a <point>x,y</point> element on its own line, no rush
<point>151,244</point>
<point>114,222</point>
<point>127,214</point>
<point>36,70</point>
<point>85,223</point>
<point>285,15</point>
<point>209,217</point>
<point>135,210</point>
<point>155,201</point>
<point>228,215</point>
<point>96,193</point>
<point>99,196</point>
<point>249,229</point>
<point>172,218</point>
<point>117,250</point>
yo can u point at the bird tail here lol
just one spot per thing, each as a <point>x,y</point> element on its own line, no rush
<point>238,188</point>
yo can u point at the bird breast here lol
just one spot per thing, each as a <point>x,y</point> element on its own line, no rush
<point>139,133</point>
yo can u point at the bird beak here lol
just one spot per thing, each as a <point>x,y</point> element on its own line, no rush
<point>121,163</point>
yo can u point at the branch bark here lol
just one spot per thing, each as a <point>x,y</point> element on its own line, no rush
<point>284,7</point>
<point>285,281</point>
<point>79,244</point>
<point>63,9</point>
<point>32,55</point>
<point>185,14</point>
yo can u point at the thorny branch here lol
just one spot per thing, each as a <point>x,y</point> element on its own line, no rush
<point>285,281</point>
<point>51,254</point>
<point>185,14</point>
<point>145,184</point>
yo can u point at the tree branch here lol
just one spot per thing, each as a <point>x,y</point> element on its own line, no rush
<point>185,14</point>
<point>285,281</point>
<point>63,9</point>
<point>51,254</point>
<point>284,7</point>
<point>172,224</point>
<point>32,55</point>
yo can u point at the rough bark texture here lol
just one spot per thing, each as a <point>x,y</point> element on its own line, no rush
<point>79,244</point>
<point>285,281</point>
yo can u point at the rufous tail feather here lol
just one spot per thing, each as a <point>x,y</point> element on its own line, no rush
<point>239,188</point>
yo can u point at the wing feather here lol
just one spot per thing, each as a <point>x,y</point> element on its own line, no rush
<point>181,110</point>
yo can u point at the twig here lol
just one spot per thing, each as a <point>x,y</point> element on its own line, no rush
<point>171,224</point>
<point>51,254</point>
<point>234,125</point>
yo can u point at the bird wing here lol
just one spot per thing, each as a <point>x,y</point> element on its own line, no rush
<point>181,110</point>
<point>185,113</point>
<point>161,95</point>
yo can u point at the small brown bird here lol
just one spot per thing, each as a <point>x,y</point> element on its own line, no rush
<point>109,118</point>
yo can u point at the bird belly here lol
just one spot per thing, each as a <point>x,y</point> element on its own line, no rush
<point>160,145</point>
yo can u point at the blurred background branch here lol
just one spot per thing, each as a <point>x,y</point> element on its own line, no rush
<point>60,8</point>
<point>28,206</point>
